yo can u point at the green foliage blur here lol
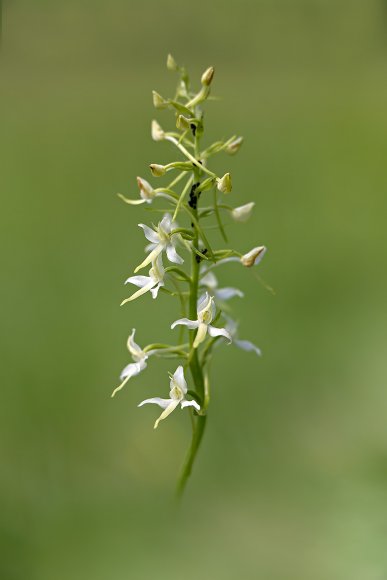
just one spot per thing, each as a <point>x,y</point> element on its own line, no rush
<point>291,480</point>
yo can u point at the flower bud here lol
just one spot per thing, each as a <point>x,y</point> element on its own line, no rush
<point>234,146</point>
<point>157,170</point>
<point>253,257</point>
<point>207,76</point>
<point>243,212</point>
<point>146,190</point>
<point>157,132</point>
<point>224,183</point>
<point>158,101</point>
<point>171,63</point>
<point>206,184</point>
<point>182,123</point>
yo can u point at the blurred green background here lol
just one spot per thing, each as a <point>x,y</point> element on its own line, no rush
<point>291,481</point>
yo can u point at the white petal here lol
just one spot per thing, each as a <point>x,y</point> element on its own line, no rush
<point>203,302</point>
<point>185,322</point>
<point>133,347</point>
<point>209,280</point>
<point>154,291</point>
<point>179,378</point>
<point>163,403</point>
<point>172,255</point>
<point>201,334</point>
<point>140,292</point>
<point>190,404</point>
<point>171,407</point>
<point>152,256</point>
<point>138,280</point>
<point>129,371</point>
<point>227,293</point>
<point>247,346</point>
<point>150,247</point>
<point>166,223</point>
<point>131,201</point>
<point>150,234</point>
<point>212,331</point>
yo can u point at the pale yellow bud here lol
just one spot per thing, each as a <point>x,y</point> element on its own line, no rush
<point>234,146</point>
<point>224,183</point>
<point>171,63</point>
<point>157,170</point>
<point>158,101</point>
<point>157,132</point>
<point>253,257</point>
<point>207,76</point>
<point>182,123</point>
<point>243,212</point>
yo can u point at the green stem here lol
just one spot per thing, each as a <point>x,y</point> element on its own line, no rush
<point>198,424</point>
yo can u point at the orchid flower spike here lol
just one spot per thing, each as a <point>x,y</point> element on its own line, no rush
<point>151,283</point>
<point>161,240</point>
<point>246,345</point>
<point>206,313</point>
<point>133,369</point>
<point>177,393</point>
<point>210,281</point>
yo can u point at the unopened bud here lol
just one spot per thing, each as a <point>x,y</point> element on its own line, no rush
<point>243,212</point>
<point>146,190</point>
<point>253,257</point>
<point>171,63</point>
<point>207,76</point>
<point>157,132</point>
<point>158,101</point>
<point>182,123</point>
<point>234,146</point>
<point>157,170</point>
<point>224,183</point>
<point>206,184</point>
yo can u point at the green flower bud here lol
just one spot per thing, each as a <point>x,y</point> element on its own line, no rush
<point>157,170</point>
<point>171,63</point>
<point>158,101</point>
<point>207,76</point>
<point>234,146</point>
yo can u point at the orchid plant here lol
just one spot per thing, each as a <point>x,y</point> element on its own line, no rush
<point>194,196</point>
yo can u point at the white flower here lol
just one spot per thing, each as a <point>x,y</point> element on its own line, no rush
<point>232,327</point>
<point>160,239</point>
<point>147,193</point>
<point>210,282</point>
<point>151,283</point>
<point>206,313</point>
<point>133,369</point>
<point>253,257</point>
<point>177,393</point>
<point>243,212</point>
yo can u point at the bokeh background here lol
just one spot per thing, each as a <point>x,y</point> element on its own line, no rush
<point>291,481</point>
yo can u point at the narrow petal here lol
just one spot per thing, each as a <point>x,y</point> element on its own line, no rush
<point>214,332</point>
<point>129,371</point>
<point>131,201</point>
<point>166,223</point>
<point>179,378</point>
<point>163,403</point>
<point>201,334</point>
<point>152,256</point>
<point>247,346</point>
<point>171,407</point>
<point>138,280</point>
<point>154,291</point>
<point>140,292</point>
<point>227,293</point>
<point>172,255</point>
<point>150,234</point>
<point>135,350</point>
<point>185,322</point>
<point>190,404</point>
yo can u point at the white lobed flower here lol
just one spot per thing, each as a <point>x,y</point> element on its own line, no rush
<point>135,368</point>
<point>151,283</point>
<point>206,312</point>
<point>232,327</point>
<point>210,281</point>
<point>147,193</point>
<point>161,240</point>
<point>177,393</point>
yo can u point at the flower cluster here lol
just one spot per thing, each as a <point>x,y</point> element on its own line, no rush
<point>197,199</point>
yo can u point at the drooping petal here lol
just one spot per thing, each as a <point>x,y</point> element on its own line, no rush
<point>138,280</point>
<point>247,346</point>
<point>227,293</point>
<point>154,291</point>
<point>150,257</point>
<point>201,334</point>
<point>150,234</point>
<point>172,255</point>
<point>163,403</point>
<point>214,332</point>
<point>131,201</point>
<point>136,352</point>
<point>129,371</point>
<point>140,292</point>
<point>179,378</point>
<point>190,404</point>
<point>171,407</point>
<point>191,324</point>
